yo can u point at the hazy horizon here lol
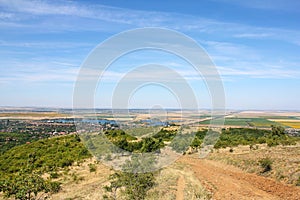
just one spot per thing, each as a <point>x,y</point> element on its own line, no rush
<point>39,108</point>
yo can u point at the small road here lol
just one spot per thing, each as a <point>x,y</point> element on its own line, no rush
<point>228,182</point>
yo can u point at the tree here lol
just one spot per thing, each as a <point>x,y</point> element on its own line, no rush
<point>27,186</point>
<point>277,130</point>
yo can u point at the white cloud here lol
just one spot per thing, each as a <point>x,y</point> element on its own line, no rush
<point>225,53</point>
<point>45,45</point>
<point>38,72</point>
<point>5,15</point>
<point>93,11</point>
<point>254,35</point>
<point>258,71</point>
<point>133,18</point>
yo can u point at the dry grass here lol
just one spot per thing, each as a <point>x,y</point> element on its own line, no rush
<point>80,183</point>
<point>285,166</point>
<point>89,185</point>
<point>167,184</point>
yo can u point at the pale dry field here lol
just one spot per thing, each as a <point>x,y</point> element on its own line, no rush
<point>173,182</point>
<point>251,114</point>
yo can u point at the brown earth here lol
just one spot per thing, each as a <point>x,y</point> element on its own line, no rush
<point>228,182</point>
<point>180,188</point>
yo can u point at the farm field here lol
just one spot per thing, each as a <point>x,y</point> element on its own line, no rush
<point>290,123</point>
<point>252,122</point>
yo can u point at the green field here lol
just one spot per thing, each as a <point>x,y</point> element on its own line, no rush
<point>253,122</point>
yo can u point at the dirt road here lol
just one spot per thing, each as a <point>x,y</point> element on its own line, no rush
<point>180,188</point>
<point>228,182</point>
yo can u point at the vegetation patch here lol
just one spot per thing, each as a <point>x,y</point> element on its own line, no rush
<point>44,155</point>
<point>252,122</point>
<point>282,160</point>
<point>266,164</point>
<point>22,167</point>
<point>9,140</point>
<point>232,137</point>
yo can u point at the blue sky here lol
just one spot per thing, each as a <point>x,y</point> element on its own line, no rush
<point>254,44</point>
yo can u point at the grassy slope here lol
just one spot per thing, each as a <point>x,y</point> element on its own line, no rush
<point>285,160</point>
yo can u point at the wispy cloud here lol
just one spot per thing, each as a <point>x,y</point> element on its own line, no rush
<point>286,5</point>
<point>5,15</point>
<point>229,49</point>
<point>17,12</point>
<point>43,8</point>
<point>262,72</point>
<point>45,45</point>
<point>65,14</point>
<point>93,11</point>
<point>254,35</point>
<point>39,72</point>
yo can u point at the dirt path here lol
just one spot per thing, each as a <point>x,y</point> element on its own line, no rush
<point>228,182</point>
<point>180,188</point>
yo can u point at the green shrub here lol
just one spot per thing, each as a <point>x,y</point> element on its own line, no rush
<point>266,164</point>
<point>272,142</point>
<point>54,175</point>
<point>44,155</point>
<point>92,167</point>
<point>27,186</point>
<point>134,186</point>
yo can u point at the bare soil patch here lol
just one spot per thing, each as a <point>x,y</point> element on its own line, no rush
<point>228,182</point>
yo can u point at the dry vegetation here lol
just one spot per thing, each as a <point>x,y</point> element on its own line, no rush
<point>80,183</point>
<point>285,160</point>
<point>177,182</point>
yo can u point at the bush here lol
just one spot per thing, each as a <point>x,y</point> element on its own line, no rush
<point>54,175</point>
<point>27,186</point>
<point>92,167</point>
<point>266,164</point>
<point>272,142</point>
<point>44,155</point>
<point>245,136</point>
<point>134,185</point>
